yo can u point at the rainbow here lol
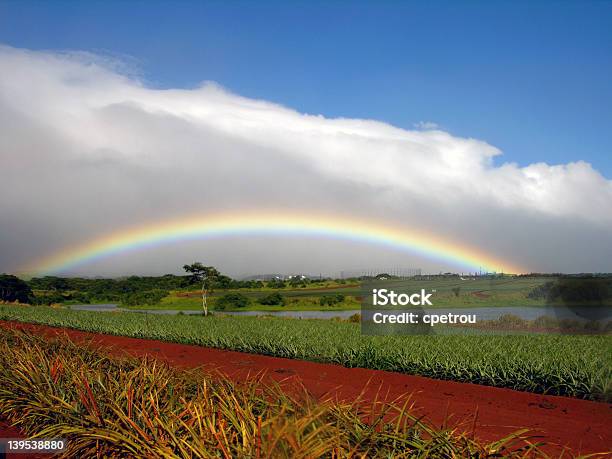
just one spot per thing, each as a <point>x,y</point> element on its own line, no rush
<point>271,223</point>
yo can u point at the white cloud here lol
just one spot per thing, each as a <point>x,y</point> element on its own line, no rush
<point>426,125</point>
<point>85,149</point>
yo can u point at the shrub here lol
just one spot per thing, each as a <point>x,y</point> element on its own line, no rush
<point>232,300</point>
<point>355,318</point>
<point>330,300</point>
<point>50,298</point>
<point>273,299</point>
<point>149,297</point>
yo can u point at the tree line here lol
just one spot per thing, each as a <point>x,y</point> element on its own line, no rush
<point>132,290</point>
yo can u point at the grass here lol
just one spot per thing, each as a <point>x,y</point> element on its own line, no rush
<point>475,292</point>
<point>110,407</point>
<point>578,366</point>
<point>472,293</point>
<point>293,303</point>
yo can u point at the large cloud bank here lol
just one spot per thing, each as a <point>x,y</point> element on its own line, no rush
<point>85,149</point>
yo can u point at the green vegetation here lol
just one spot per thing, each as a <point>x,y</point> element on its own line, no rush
<point>508,322</point>
<point>13,289</point>
<point>185,292</point>
<point>331,300</point>
<point>276,283</point>
<point>590,291</point>
<point>455,291</point>
<point>273,299</point>
<point>145,292</point>
<point>231,300</point>
<point>111,407</point>
<point>69,290</point>
<point>191,301</point>
<point>149,297</point>
<point>578,366</point>
<point>450,292</point>
<point>207,276</point>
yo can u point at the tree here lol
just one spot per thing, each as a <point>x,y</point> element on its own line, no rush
<point>276,283</point>
<point>207,275</point>
<point>14,289</point>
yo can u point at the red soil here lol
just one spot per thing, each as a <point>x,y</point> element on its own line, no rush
<point>489,413</point>
<point>480,295</point>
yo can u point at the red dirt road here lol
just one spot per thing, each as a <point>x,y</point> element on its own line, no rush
<point>583,426</point>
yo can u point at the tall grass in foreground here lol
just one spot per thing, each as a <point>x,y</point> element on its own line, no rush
<point>109,407</point>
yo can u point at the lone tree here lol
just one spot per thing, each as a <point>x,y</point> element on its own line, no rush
<point>207,275</point>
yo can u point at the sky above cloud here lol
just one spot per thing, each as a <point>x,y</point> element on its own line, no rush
<point>88,148</point>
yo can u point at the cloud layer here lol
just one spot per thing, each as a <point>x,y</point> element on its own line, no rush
<point>86,148</point>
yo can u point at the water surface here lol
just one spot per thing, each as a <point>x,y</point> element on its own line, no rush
<point>483,313</point>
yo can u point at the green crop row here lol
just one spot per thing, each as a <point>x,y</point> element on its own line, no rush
<point>578,366</point>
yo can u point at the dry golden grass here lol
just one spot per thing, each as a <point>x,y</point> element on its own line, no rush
<point>109,407</point>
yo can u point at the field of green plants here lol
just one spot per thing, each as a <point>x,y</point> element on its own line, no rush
<point>182,293</point>
<point>291,300</point>
<point>578,366</point>
<point>105,406</point>
<point>450,292</point>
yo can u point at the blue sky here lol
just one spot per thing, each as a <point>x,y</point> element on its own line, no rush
<point>534,80</point>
